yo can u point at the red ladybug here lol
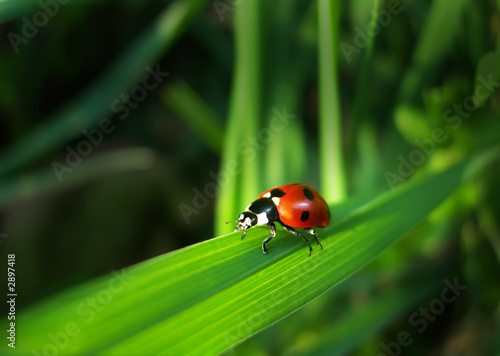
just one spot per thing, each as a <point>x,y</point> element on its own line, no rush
<point>293,206</point>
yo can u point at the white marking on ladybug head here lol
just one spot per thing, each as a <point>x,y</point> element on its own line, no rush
<point>262,219</point>
<point>242,226</point>
<point>267,195</point>
<point>276,201</point>
<point>245,223</point>
<point>246,220</point>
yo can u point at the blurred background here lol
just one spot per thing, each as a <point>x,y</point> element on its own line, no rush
<point>130,129</point>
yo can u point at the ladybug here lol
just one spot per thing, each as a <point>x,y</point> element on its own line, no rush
<point>293,206</point>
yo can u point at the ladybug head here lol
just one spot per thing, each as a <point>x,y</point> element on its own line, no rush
<point>246,220</point>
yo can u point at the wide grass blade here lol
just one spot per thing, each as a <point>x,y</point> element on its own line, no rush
<point>208,297</point>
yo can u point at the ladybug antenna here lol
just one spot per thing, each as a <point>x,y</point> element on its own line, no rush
<point>235,221</point>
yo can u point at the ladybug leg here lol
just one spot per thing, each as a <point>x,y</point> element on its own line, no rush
<point>272,227</point>
<point>315,234</point>
<point>292,231</point>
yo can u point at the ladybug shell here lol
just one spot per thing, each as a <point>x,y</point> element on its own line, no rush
<point>299,205</point>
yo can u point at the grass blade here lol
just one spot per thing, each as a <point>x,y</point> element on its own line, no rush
<point>241,184</point>
<point>194,111</point>
<point>359,104</point>
<point>14,9</point>
<point>332,175</point>
<point>430,51</point>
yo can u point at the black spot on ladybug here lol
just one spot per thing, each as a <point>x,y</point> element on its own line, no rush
<point>308,194</point>
<point>277,193</point>
<point>304,216</point>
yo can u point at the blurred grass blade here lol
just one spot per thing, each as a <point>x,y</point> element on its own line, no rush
<point>431,49</point>
<point>208,297</point>
<point>14,9</point>
<point>332,169</point>
<point>33,184</point>
<point>94,104</point>
<point>354,326</point>
<point>200,118</point>
<point>240,162</point>
<point>350,330</point>
<point>362,83</point>
<point>285,151</point>
<point>248,28</point>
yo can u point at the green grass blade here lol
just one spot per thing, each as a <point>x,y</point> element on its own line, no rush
<point>332,174</point>
<point>241,185</point>
<point>431,49</point>
<point>248,28</point>
<point>359,104</point>
<point>284,153</point>
<point>14,9</point>
<point>207,297</point>
<point>94,104</point>
<point>11,9</point>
